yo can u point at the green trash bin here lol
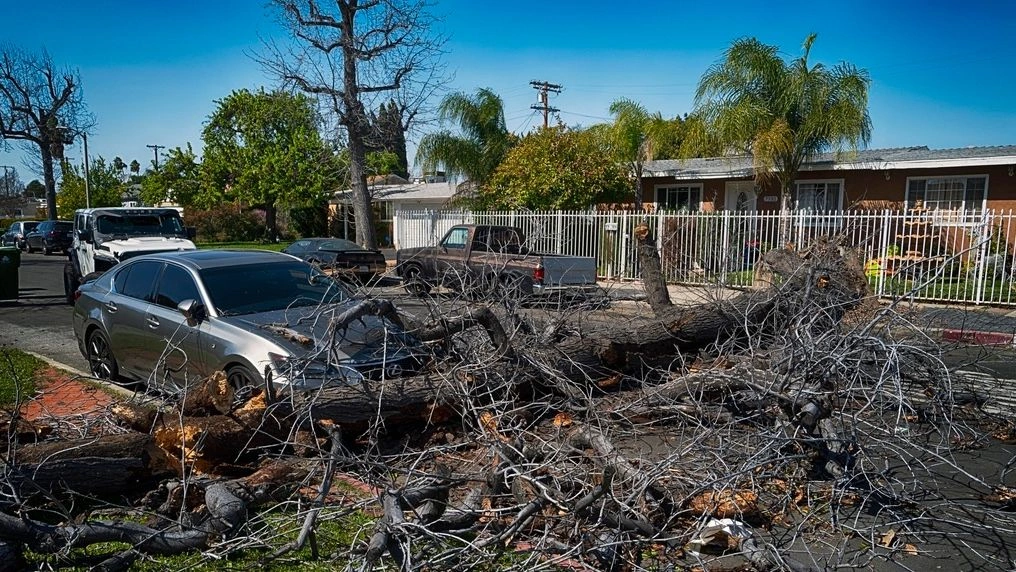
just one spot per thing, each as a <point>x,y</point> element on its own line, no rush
<point>10,260</point>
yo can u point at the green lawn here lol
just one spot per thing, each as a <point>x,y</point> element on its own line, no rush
<point>276,246</point>
<point>17,374</point>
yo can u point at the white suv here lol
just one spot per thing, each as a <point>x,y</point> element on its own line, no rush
<point>105,237</point>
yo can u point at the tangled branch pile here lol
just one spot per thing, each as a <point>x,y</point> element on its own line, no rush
<point>796,427</point>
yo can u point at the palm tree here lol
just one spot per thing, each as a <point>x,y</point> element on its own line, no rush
<point>482,144</point>
<point>120,167</point>
<point>782,113</point>
<point>634,137</point>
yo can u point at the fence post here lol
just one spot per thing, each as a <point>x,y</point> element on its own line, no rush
<point>984,236</point>
<point>882,259</point>
<point>558,232</point>
<point>725,252</point>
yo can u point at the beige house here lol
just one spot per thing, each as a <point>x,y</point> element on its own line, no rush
<point>390,195</point>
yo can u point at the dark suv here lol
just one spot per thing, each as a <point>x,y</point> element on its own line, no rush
<point>50,235</point>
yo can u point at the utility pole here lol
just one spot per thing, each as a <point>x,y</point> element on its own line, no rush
<point>544,88</point>
<point>156,149</point>
<point>88,193</point>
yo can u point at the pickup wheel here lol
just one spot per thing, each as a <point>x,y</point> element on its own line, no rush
<point>415,283</point>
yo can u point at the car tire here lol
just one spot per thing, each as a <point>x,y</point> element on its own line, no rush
<point>414,282</point>
<point>243,381</point>
<point>101,363</point>
<point>28,247</point>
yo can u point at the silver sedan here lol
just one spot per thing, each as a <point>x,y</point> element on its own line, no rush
<point>171,319</point>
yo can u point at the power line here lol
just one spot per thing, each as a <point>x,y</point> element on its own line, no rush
<point>544,88</point>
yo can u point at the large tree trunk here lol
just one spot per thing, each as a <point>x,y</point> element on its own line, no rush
<point>108,465</point>
<point>49,179</point>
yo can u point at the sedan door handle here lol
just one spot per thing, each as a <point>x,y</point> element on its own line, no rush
<point>153,322</point>
<point>111,306</point>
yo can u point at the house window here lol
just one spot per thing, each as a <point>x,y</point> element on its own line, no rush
<point>960,193</point>
<point>679,198</point>
<point>818,195</point>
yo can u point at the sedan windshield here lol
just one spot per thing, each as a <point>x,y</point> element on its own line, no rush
<point>255,288</point>
<point>339,245</point>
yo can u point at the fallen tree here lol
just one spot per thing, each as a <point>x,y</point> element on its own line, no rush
<point>763,429</point>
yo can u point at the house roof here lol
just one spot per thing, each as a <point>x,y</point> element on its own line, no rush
<point>408,192</point>
<point>865,159</point>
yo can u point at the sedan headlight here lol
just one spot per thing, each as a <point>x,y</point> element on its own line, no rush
<point>304,373</point>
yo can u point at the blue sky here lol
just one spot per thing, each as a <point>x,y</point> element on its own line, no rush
<point>941,70</point>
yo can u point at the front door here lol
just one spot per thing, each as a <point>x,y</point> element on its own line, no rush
<point>741,196</point>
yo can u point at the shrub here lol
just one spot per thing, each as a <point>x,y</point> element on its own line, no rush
<point>226,223</point>
<point>310,221</point>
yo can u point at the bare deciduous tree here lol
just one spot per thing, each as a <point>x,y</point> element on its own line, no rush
<point>40,106</point>
<point>354,56</point>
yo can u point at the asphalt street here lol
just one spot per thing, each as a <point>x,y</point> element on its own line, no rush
<point>40,320</point>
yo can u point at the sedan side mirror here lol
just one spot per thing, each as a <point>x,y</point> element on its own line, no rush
<point>193,310</point>
<point>85,235</point>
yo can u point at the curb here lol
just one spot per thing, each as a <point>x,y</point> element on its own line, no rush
<point>979,338</point>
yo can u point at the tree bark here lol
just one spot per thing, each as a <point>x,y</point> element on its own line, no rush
<point>108,465</point>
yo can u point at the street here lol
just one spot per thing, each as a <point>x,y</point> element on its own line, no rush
<point>40,321</point>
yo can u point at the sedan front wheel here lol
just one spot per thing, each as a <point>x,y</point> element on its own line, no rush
<point>101,362</point>
<point>243,381</point>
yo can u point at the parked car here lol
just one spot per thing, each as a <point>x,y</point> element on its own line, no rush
<point>15,235</point>
<point>50,236</point>
<point>172,318</point>
<point>340,258</point>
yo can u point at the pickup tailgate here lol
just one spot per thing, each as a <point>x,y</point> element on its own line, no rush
<point>562,270</point>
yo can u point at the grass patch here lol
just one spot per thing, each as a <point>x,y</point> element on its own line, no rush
<point>337,529</point>
<point>17,374</point>
<point>276,246</point>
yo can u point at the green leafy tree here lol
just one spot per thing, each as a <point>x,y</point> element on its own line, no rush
<point>35,189</point>
<point>383,163</point>
<point>482,141</point>
<point>105,187</point>
<point>121,167</point>
<point>634,138</point>
<point>135,169</point>
<point>178,180</point>
<point>555,168</point>
<point>389,137</point>
<point>264,149</point>
<point>782,113</point>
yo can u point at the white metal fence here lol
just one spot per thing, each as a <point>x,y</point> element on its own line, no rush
<point>924,255</point>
